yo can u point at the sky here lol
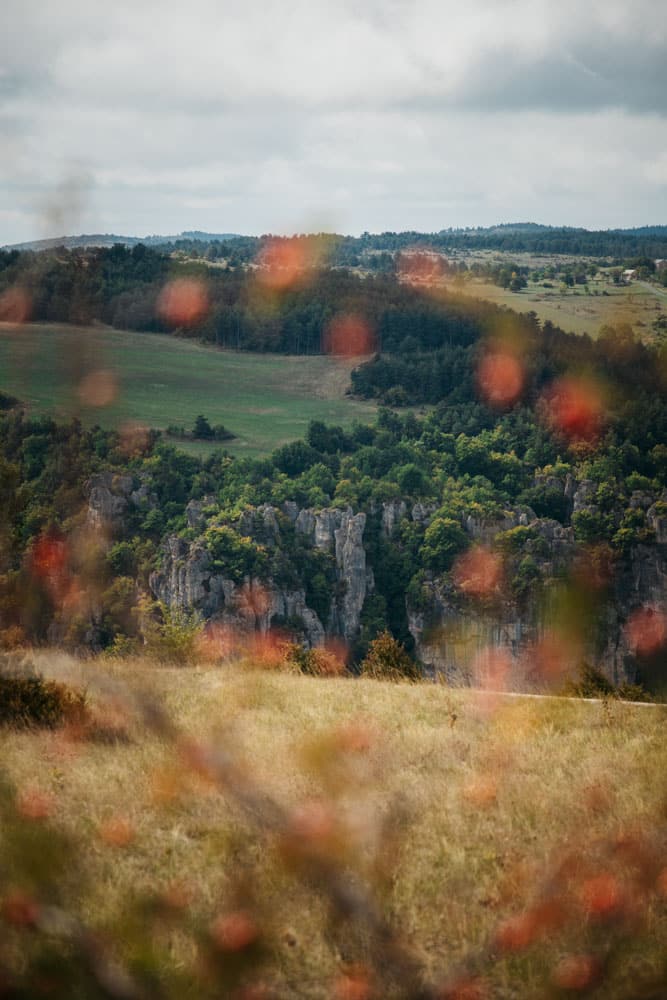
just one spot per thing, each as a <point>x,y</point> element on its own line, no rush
<point>254,116</point>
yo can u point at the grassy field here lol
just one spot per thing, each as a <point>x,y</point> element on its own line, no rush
<point>265,400</point>
<point>511,831</point>
<point>574,311</point>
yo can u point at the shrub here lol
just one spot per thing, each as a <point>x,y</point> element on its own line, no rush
<point>170,635</point>
<point>632,692</point>
<point>316,662</point>
<point>27,699</point>
<point>202,428</point>
<point>222,433</point>
<point>387,659</point>
<point>234,555</point>
<point>122,646</point>
<point>594,684</point>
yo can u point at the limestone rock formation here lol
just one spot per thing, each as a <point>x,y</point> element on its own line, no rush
<point>187,580</point>
<point>108,498</point>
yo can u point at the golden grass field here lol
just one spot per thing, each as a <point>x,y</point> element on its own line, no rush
<point>464,814</point>
<point>639,304</point>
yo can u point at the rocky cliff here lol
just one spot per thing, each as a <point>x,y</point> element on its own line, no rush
<point>188,578</point>
<point>450,633</point>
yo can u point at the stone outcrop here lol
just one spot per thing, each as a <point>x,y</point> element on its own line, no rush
<point>187,579</point>
<point>449,633</point>
<point>108,497</point>
<point>187,582</point>
<point>450,636</point>
<point>453,637</point>
<point>643,584</point>
<point>111,494</point>
<point>392,514</point>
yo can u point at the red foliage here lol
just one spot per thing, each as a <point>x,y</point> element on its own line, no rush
<point>478,572</point>
<point>601,895</point>
<point>15,306</point>
<point>646,630</point>
<point>183,301</point>
<point>349,336</point>
<point>234,931</point>
<point>574,407</point>
<point>500,378</point>
<point>19,909</point>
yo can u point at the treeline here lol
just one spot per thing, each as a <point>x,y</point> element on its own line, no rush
<point>414,370</point>
<point>122,287</point>
<point>353,251</point>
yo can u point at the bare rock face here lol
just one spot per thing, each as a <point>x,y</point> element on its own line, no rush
<point>352,571</point>
<point>110,495</point>
<point>108,498</point>
<point>422,513</point>
<point>291,510</point>
<point>143,496</point>
<point>261,524</point>
<point>341,533</point>
<point>393,513</point>
<point>184,582</point>
<point>643,584</point>
<point>583,496</point>
<point>657,520</point>
<point>484,531</point>
<point>452,639</point>
<point>570,487</point>
<point>465,648</point>
<point>195,512</point>
<point>188,581</point>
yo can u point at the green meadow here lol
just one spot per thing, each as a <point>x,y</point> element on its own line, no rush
<point>264,400</point>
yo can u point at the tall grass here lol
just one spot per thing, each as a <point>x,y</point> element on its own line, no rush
<point>268,834</point>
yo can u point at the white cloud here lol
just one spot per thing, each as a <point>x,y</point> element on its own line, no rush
<point>400,113</point>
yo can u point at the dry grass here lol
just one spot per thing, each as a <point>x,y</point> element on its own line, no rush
<point>486,796</point>
<point>638,305</point>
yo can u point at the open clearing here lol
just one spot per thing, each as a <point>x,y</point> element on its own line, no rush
<point>265,400</point>
<point>490,795</point>
<point>638,304</point>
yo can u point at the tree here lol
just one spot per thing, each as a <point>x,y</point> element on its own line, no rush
<point>387,659</point>
<point>295,458</point>
<point>202,428</point>
<point>443,540</point>
<point>411,479</point>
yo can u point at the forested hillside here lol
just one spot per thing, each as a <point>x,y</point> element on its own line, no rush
<point>94,520</point>
<point>285,306</point>
<point>529,507</point>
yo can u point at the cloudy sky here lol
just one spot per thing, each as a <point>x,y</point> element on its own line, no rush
<point>155,116</point>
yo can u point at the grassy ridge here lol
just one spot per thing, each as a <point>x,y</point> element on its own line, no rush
<point>265,400</point>
<point>489,794</point>
<point>638,304</point>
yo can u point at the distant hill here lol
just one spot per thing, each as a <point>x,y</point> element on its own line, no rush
<point>511,237</point>
<point>660,231</point>
<point>109,239</point>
